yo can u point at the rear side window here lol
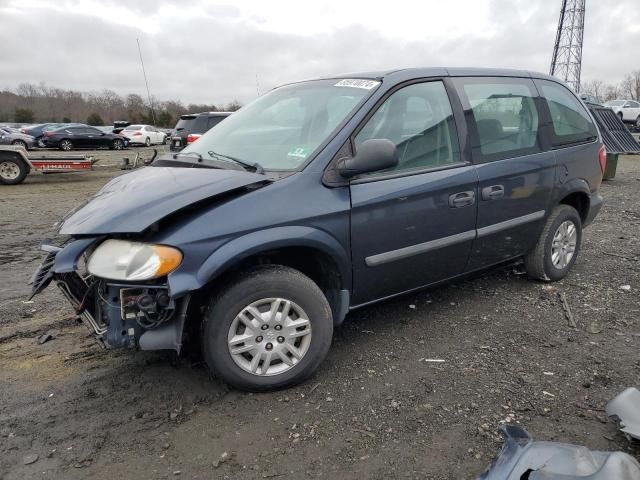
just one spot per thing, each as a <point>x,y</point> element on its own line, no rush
<point>571,121</point>
<point>505,115</point>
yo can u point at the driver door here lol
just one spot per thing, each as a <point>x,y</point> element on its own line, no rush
<point>412,225</point>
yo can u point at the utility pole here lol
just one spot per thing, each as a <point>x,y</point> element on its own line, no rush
<point>566,63</point>
<point>153,112</point>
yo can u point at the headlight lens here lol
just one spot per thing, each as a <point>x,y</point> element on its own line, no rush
<point>129,261</point>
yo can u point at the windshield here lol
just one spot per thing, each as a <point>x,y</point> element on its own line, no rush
<point>615,103</point>
<point>283,128</point>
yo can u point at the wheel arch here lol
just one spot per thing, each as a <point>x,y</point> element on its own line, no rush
<point>314,252</point>
<point>577,196</point>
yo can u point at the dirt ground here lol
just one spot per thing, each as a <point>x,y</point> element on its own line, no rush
<point>376,409</point>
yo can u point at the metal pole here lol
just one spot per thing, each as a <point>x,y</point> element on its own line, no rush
<point>153,113</point>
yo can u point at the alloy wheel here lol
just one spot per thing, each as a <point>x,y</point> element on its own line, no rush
<point>269,336</point>
<point>563,245</point>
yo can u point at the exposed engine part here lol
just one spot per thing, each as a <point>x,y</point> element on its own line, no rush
<point>149,306</point>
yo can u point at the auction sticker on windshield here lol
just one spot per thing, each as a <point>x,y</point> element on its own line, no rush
<point>298,152</point>
<point>357,83</point>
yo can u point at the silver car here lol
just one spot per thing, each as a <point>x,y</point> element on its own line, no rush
<point>9,136</point>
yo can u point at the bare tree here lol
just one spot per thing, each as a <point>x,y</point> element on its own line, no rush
<point>594,87</point>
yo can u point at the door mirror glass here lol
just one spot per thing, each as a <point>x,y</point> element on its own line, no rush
<point>373,155</point>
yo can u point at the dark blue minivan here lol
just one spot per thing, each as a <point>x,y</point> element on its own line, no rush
<point>324,196</point>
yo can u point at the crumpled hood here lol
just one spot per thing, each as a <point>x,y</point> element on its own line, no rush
<point>132,202</point>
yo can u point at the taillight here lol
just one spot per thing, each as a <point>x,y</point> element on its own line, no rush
<point>602,157</point>
<point>137,134</point>
<point>192,137</point>
<point>48,134</point>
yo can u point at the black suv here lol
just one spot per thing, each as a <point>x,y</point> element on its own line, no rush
<point>192,126</point>
<point>325,196</point>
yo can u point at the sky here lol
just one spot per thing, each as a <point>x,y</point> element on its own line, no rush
<point>212,51</point>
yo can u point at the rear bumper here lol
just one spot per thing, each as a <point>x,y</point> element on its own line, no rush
<point>595,204</point>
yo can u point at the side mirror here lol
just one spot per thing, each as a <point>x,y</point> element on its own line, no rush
<point>373,155</point>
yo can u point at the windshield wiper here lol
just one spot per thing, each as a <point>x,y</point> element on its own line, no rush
<point>255,165</point>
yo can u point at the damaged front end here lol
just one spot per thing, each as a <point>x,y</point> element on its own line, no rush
<point>120,314</point>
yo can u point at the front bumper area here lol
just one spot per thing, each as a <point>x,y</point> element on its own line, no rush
<point>120,315</point>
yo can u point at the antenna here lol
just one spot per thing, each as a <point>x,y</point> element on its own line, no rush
<point>566,63</point>
<point>153,113</point>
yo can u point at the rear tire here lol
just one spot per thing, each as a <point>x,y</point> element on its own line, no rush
<point>638,121</point>
<point>283,298</point>
<point>66,145</point>
<point>12,171</point>
<point>147,142</point>
<point>558,246</point>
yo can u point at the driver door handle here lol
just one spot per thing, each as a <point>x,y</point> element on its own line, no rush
<point>462,199</point>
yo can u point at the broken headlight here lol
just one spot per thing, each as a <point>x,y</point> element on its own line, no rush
<point>133,261</point>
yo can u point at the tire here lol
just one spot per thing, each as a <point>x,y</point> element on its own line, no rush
<point>66,145</point>
<point>164,140</point>
<point>117,144</point>
<point>147,142</point>
<point>638,121</point>
<point>258,287</point>
<point>12,171</point>
<point>621,116</point>
<point>19,143</point>
<point>540,263</point>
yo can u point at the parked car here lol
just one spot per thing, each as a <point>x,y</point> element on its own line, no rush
<point>324,196</point>
<point>628,110</point>
<point>9,136</point>
<point>68,138</point>
<point>192,126</point>
<point>144,135</point>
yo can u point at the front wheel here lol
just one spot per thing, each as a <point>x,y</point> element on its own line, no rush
<point>117,144</point>
<point>558,245</point>
<point>66,145</point>
<point>19,143</point>
<point>270,328</point>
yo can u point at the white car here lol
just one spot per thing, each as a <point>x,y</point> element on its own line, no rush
<point>144,135</point>
<point>628,110</point>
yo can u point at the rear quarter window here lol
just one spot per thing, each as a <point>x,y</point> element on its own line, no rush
<point>570,120</point>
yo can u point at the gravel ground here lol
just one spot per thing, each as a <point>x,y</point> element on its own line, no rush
<point>376,409</point>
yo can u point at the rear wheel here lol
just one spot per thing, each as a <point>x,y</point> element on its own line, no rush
<point>270,328</point>
<point>558,245</point>
<point>12,171</point>
<point>117,144</point>
<point>19,143</point>
<point>66,145</point>
<point>147,142</point>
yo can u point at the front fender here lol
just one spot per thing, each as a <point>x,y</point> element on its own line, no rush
<point>257,242</point>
